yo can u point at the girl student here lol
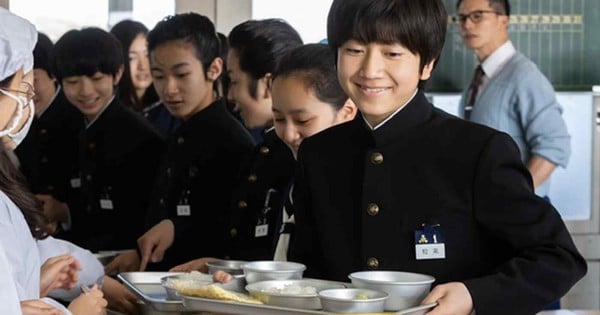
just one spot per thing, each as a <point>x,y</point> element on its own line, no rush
<point>136,90</point>
<point>307,99</point>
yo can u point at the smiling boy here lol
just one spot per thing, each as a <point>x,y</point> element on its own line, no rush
<point>371,192</point>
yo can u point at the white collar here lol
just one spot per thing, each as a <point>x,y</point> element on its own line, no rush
<point>499,57</point>
<point>89,124</point>
<point>49,103</point>
<point>390,116</point>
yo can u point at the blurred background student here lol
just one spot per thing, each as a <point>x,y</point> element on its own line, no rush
<point>48,154</point>
<point>135,89</point>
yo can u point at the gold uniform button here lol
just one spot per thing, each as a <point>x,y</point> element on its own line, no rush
<point>242,204</point>
<point>376,158</point>
<point>372,263</point>
<point>180,140</point>
<point>373,209</point>
<point>44,159</point>
<point>252,178</point>
<point>264,150</point>
<point>233,232</point>
<point>92,146</point>
<point>43,131</point>
<point>50,188</point>
<point>89,178</point>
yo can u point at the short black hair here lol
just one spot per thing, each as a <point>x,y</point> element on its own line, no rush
<point>126,32</point>
<point>315,65</point>
<point>418,25</point>
<point>42,53</point>
<point>501,6</point>
<point>260,45</point>
<point>191,28</point>
<point>85,52</point>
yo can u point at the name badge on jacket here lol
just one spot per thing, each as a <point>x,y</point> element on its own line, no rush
<point>429,243</point>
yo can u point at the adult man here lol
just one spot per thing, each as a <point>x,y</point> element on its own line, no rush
<point>511,94</point>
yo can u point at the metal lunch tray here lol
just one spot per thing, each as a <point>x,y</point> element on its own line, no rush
<point>147,286</point>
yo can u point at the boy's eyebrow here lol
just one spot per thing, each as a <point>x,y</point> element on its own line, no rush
<point>174,67</point>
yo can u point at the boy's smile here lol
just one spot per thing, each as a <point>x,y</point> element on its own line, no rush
<point>379,78</point>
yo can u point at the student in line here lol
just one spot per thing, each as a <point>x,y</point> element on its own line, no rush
<point>118,151</point>
<point>307,99</point>
<point>203,156</point>
<point>371,193</point>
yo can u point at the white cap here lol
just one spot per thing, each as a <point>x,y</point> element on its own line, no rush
<point>17,40</point>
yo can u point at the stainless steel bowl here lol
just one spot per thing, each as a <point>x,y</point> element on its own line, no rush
<point>237,283</point>
<point>270,292</point>
<point>353,300</point>
<point>171,292</point>
<point>272,270</point>
<point>233,267</point>
<point>406,289</point>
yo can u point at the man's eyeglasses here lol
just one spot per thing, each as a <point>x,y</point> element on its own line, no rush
<point>25,89</point>
<point>475,16</point>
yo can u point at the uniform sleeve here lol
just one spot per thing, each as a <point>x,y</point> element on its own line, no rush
<point>8,290</point>
<point>91,269</point>
<point>545,263</point>
<point>540,114</point>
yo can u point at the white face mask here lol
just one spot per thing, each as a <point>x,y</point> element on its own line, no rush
<point>18,135</point>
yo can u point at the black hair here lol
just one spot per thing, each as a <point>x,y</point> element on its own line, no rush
<point>260,44</point>
<point>42,54</point>
<point>501,6</point>
<point>418,25</point>
<point>85,52</point>
<point>315,65</point>
<point>126,32</point>
<point>191,28</point>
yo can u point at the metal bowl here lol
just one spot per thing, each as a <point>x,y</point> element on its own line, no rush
<point>270,292</point>
<point>406,289</point>
<point>172,292</point>
<point>353,300</point>
<point>272,270</point>
<point>233,267</point>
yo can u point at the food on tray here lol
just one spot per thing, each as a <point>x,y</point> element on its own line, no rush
<point>193,278</point>
<point>291,289</point>
<point>213,291</point>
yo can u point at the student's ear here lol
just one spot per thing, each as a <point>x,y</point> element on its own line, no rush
<point>214,70</point>
<point>347,112</point>
<point>117,77</point>
<point>263,88</point>
<point>427,69</point>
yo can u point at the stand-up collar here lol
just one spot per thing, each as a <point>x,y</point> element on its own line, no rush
<point>415,113</point>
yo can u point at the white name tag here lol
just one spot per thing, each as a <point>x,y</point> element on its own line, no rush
<point>261,230</point>
<point>430,251</point>
<point>106,204</point>
<point>75,182</point>
<point>184,210</point>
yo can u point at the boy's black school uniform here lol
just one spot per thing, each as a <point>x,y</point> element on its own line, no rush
<point>48,154</point>
<point>257,201</point>
<point>195,183</point>
<point>119,154</point>
<point>370,200</point>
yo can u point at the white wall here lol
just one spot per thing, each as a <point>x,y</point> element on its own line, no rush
<point>308,17</point>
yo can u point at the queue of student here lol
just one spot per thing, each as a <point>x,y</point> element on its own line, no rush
<point>337,159</point>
